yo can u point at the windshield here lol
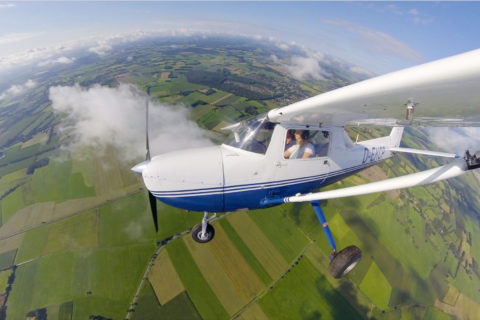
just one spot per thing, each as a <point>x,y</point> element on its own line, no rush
<point>253,135</point>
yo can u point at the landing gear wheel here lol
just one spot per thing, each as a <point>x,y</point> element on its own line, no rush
<point>344,261</point>
<point>197,233</point>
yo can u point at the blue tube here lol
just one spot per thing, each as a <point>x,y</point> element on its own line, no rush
<point>272,201</point>
<point>323,221</point>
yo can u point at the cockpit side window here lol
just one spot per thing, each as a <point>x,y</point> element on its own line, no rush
<point>253,135</point>
<point>303,144</point>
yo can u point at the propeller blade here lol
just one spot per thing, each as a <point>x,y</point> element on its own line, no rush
<point>153,207</point>
<point>147,156</point>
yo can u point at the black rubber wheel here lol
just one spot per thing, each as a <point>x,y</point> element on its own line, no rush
<point>345,261</point>
<point>197,232</point>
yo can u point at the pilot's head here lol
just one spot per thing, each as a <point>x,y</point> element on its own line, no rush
<point>302,135</point>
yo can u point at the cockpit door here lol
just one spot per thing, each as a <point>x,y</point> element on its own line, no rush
<point>302,162</point>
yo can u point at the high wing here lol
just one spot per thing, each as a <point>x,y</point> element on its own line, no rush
<point>445,92</point>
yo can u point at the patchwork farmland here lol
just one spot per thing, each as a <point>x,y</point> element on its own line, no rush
<point>76,234</point>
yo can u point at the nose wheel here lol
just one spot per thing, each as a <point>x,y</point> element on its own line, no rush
<point>204,232</point>
<point>344,261</point>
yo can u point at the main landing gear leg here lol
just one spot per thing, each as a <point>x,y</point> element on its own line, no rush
<point>204,232</point>
<point>341,262</point>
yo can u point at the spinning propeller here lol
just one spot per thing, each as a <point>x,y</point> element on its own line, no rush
<point>151,197</point>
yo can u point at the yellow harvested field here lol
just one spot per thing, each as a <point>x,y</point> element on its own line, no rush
<point>11,243</point>
<point>38,138</point>
<point>375,173</point>
<point>228,95</point>
<point>213,273</point>
<point>70,207</point>
<point>253,312</point>
<point>40,213</point>
<point>464,308</point>
<point>164,279</point>
<point>244,279</point>
<point>164,75</point>
<point>13,176</point>
<point>28,217</point>
<point>451,296</point>
<point>259,244</point>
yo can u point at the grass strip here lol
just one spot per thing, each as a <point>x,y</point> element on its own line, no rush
<point>198,289</point>
<point>245,252</point>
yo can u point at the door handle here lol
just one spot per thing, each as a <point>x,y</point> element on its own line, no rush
<point>279,164</point>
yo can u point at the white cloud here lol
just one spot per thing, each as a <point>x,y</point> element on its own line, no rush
<point>419,18</point>
<point>413,12</point>
<point>456,139</point>
<point>393,9</point>
<point>98,44</point>
<point>377,41</point>
<point>60,60</point>
<point>102,48</point>
<point>303,68</point>
<point>6,5</point>
<point>16,37</point>
<point>102,116</point>
<point>361,70</point>
<point>18,89</point>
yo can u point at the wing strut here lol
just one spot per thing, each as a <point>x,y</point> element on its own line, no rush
<point>451,170</point>
<point>426,152</point>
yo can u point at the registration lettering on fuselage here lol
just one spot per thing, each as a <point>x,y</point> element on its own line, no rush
<point>373,154</point>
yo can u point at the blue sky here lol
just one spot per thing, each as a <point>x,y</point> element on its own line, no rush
<point>377,36</point>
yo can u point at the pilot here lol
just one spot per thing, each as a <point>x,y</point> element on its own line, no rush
<point>302,149</point>
<point>290,140</point>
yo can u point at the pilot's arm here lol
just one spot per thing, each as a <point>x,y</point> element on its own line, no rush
<point>289,151</point>
<point>309,151</point>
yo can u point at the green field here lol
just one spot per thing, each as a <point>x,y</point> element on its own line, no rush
<point>259,244</point>
<point>11,204</point>
<point>376,287</point>
<point>7,259</point>
<point>181,307</point>
<point>246,252</point>
<point>4,275</point>
<point>314,297</point>
<point>198,289</point>
<point>124,222</point>
<point>288,240</point>
<point>148,306</point>
<point>48,187</point>
<point>80,231</point>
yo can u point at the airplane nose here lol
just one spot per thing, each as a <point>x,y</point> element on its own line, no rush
<point>185,174</point>
<point>138,168</point>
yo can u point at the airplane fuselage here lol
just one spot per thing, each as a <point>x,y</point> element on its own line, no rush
<point>227,178</point>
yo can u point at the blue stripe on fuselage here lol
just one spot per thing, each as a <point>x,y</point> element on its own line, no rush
<point>248,196</point>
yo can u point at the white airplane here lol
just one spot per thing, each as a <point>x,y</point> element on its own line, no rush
<point>290,152</point>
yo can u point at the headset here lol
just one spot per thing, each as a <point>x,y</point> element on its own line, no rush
<point>305,134</point>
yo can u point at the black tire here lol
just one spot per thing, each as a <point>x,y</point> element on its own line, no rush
<point>344,261</point>
<point>197,230</point>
